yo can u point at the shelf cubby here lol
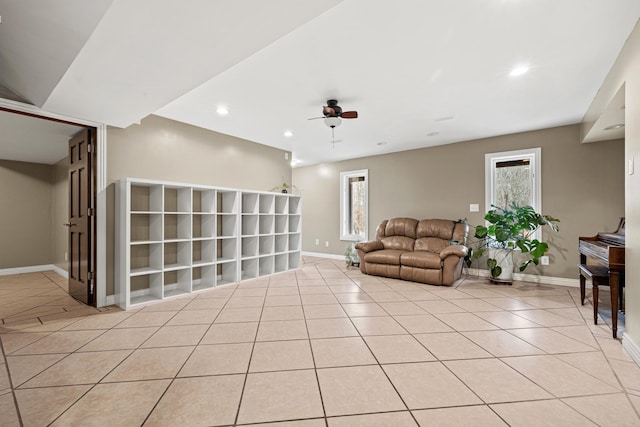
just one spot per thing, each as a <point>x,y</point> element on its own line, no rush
<point>249,268</point>
<point>204,201</point>
<point>294,223</point>
<point>249,203</point>
<point>294,260</point>
<point>265,245</point>
<point>281,205</point>
<point>226,225</point>
<point>145,227</point>
<point>281,245</point>
<point>265,225</point>
<point>280,263</point>
<point>266,204</point>
<point>226,201</point>
<point>145,258</point>
<point>226,273</point>
<point>294,242</point>
<point>146,288</point>
<point>294,205</point>
<point>177,226</point>
<point>265,265</point>
<point>226,250</point>
<point>177,199</point>
<point>146,197</point>
<point>204,226</point>
<point>203,277</point>
<point>281,224</point>
<point>203,252</point>
<point>177,282</point>
<point>249,247</point>
<point>177,255</point>
<point>249,225</point>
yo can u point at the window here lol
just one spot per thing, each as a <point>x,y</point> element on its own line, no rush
<point>354,205</point>
<point>513,177</point>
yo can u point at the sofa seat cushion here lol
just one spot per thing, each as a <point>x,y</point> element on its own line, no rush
<point>421,260</point>
<point>385,256</point>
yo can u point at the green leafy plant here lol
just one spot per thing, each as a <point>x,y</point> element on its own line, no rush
<point>351,256</point>
<point>511,228</point>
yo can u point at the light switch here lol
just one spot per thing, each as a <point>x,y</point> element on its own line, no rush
<point>631,166</point>
<point>474,207</point>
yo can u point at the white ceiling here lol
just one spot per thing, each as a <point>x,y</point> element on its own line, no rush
<point>410,68</point>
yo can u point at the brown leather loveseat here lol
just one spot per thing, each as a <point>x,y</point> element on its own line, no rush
<point>427,251</point>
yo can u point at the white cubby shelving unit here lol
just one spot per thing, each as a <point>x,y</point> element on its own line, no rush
<point>174,239</point>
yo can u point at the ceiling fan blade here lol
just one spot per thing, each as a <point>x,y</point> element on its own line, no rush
<point>349,115</point>
<point>335,141</point>
<point>316,118</point>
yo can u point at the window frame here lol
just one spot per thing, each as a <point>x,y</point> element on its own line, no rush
<point>534,155</point>
<point>344,204</point>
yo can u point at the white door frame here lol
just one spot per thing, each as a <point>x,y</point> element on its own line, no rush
<point>101,186</point>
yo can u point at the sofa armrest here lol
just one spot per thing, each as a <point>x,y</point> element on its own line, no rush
<point>458,250</point>
<point>374,245</point>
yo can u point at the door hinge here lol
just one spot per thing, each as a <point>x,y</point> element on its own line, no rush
<point>90,276</point>
<point>90,212</point>
<point>89,148</point>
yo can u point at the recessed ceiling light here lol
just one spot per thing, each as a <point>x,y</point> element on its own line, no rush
<point>433,134</point>
<point>288,134</point>
<point>614,127</point>
<point>382,143</point>
<point>519,70</point>
<point>222,110</point>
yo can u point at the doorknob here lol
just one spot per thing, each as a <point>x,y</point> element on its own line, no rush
<point>67,224</point>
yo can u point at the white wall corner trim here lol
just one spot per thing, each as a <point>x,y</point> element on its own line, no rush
<point>34,269</point>
<point>632,348</point>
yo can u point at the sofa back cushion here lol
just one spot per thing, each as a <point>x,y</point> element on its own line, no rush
<point>401,227</point>
<point>441,228</point>
<point>402,243</point>
<point>430,244</point>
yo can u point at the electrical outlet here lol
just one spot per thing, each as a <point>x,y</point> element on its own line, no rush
<point>317,241</point>
<point>326,244</point>
<point>474,207</point>
<point>544,260</point>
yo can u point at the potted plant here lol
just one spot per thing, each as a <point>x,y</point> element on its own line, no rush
<point>510,229</point>
<point>285,188</point>
<point>351,257</point>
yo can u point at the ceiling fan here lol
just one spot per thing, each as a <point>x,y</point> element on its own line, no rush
<point>332,114</point>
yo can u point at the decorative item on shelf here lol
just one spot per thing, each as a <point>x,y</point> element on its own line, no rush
<point>285,188</point>
<point>510,229</point>
<point>351,257</point>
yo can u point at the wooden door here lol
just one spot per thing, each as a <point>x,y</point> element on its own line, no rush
<point>82,217</point>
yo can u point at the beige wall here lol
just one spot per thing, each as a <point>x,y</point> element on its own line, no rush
<point>166,150</point>
<point>60,213</point>
<point>626,70</point>
<point>25,214</point>
<point>582,185</point>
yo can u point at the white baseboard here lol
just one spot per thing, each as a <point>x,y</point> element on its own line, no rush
<point>322,255</point>
<point>631,347</point>
<point>34,269</point>
<point>532,278</point>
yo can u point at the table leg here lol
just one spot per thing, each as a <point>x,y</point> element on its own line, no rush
<point>614,284</point>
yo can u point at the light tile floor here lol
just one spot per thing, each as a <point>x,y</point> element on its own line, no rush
<point>321,346</point>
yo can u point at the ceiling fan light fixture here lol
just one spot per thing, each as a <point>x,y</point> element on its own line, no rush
<point>332,122</point>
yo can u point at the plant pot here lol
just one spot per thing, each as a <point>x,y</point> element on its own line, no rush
<point>504,259</point>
